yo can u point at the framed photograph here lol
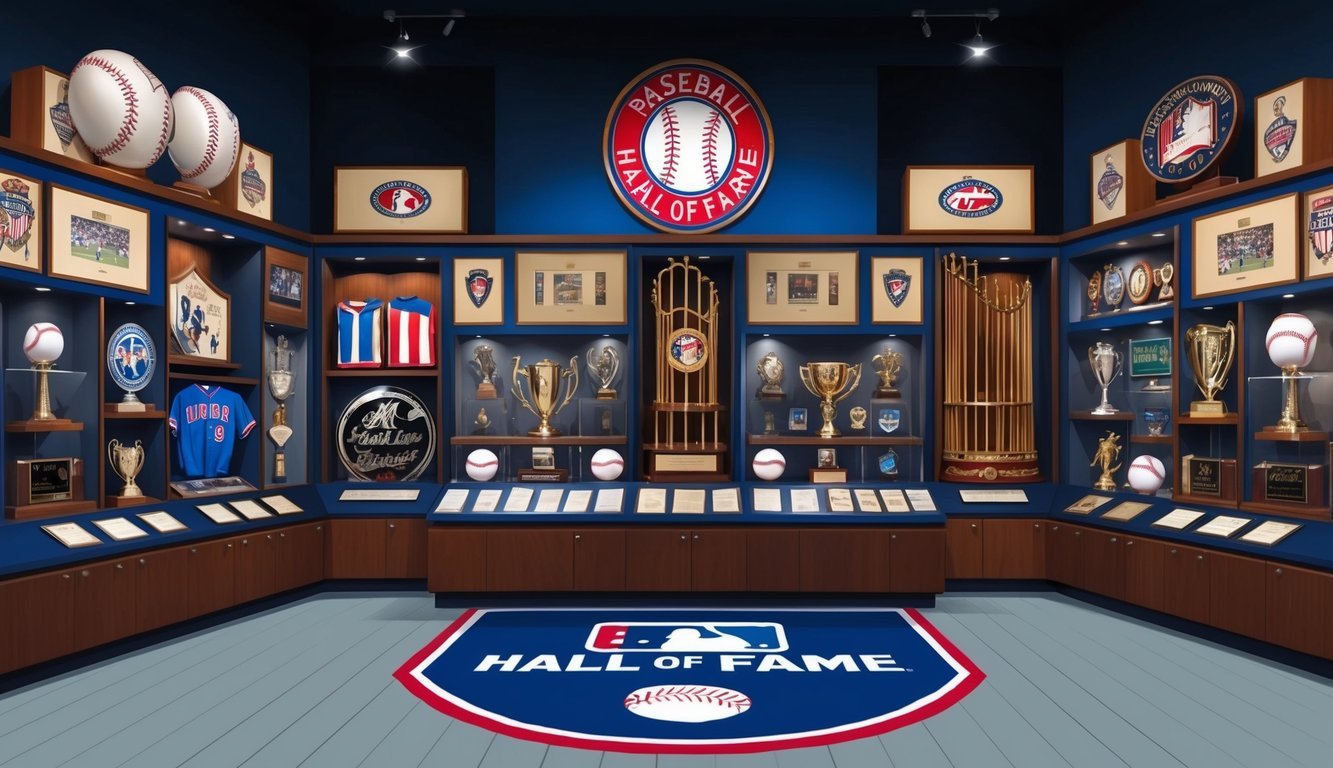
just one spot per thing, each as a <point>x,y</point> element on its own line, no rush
<point>796,420</point>
<point>39,113</point>
<point>1248,247</point>
<point>200,316</point>
<point>897,285</point>
<point>1319,233</point>
<point>570,288</point>
<point>94,240</point>
<point>20,222</point>
<point>478,291</point>
<point>959,199</point>
<point>286,288</point>
<point>801,287</point>
<point>249,189</point>
<point>400,198</point>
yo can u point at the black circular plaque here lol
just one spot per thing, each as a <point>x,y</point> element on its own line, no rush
<point>386,434</point>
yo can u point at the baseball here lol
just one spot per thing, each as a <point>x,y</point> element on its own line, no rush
<point>120,108</point>
<point>687,146</point>
<point>207,139</point>
<point>1146,474</point>
<point>768,464</point>
<point>687,703</point>
<point>482,465</point>
<point>607,464</point>
<point>1291,340</point>
<point>43,343</point>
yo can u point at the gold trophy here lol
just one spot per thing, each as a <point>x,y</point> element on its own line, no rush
<point>544,382</point>
<point>1108,450</point>
<point>604,368</point>
<point>770,372</point>
<point>858,415</point>
<point>483,358</point>
<point>829,382</point>
<point>888,365</point>
<point>126,462</point>
<point>280,381</point>
<point>1290,344</point>
<point>1211,350</point>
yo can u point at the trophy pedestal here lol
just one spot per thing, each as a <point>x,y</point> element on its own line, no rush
<point>772,394</point>
<point>202,193</point>
<point>606,394</point>
<point>1208,408</point>
<point>888,393</point>
<point>129,501</point>
<point>828,475</point>
<point>44,425</point>
<point>135,407</point>
<point>543,475</point>
<point>48,509</point>
<point>486,391</point>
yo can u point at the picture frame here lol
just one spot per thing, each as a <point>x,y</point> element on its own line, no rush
<point>801,287</point>
<point>797,420</point>
<point>1317,246</point>
<point>570,288</point>
<point>286,288</point>
<point>93,240</point>
<point>250,187</point>
<point>1119,183</point>
<point>1292,127</point>
<point>478,291</point>
<point>394,199</point>
<point>945,199</point>
<point>21,222</point>
<point>1264,234</point>
<point>40,116</point>
<point>826,458</point>
<point>199,316</point>
<point>891,300</point>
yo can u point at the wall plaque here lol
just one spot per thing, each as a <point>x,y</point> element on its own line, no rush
<point>1203,476</point>
<point>200,316</point>
<point>1291,483</point>
<point>1189,129</point>
<point>386,434</point>
<point>1292,126</point>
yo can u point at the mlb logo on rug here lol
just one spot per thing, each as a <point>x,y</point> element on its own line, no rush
<point>667,636</point>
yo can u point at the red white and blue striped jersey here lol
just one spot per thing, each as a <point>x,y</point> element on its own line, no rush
<point>359,334</point>
<point>411,332</point>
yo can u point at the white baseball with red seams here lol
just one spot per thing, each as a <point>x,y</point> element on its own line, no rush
<point>1291,340</point>
<point>687,703</point>
<point>120,108</point>
<point>1146,474</point>
<point>43,343</point>
<point>482,465</point>
<point>207,141</point>
<point>607,464</point>
<point>688,145</point>
<point>769,464</point>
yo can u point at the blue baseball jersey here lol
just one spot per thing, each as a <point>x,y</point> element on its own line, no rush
<point>207,422</point>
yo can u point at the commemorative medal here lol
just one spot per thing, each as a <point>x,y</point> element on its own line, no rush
<point>386,434</point>
<point>1140,282</point>
<point>1113,286</point>
<point>1094,291</point>
<point>131,359</point>
<point>1189,128</point>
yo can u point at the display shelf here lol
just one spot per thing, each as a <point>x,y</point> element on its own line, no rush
<point>844,440</point>
<point>186,361</point>
<point>524,440</point>
<point>1090,416</point>
<point>149,415</point>
<point>1131,316</point>
<point>683,447</point>
<point>31,426</point>
<point>381,373</point>
<point>1152,439</point>
<point>1226,419</point>
<point>194,378</point>
<point>1288,510</point>
<point>1273,436</point>
<point>1211,501</point>
<point>687,408</point>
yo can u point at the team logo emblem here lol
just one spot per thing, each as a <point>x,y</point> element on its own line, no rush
<point>131,357</point>
<point>479,283</point>
<point>690,681</point>
<point>399,199</point>
<point>688,146</point>
<point>386,434</point>
<point>253,186</point>
<point>888,463</point>
<point>1280,133</point>
<point>61,120</point>
<point>1321,228</point>
<point>971,198</point>
<point>1109,185</point>
<point>1189,128</point>
<point>897,284</point>
<point>16,215</point>
<point>890,418</point>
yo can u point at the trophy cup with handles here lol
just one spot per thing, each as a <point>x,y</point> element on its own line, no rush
<point>544,384</point>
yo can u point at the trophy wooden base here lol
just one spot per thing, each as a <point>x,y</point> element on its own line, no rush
<point>44,425</point>
<point>779,395</point>
<point>1298,486</point>
<point>129,501</point>
<point>196,190</point>
<point>828,475</point>
<point>965,470</point>
<point>701,464</point>
<point>1208,480</point>
<point>1211,183</point>
<point>134,173</point>
<point>487,392</point>
<point>543,475</point>
<point>128,407</point>
<point>605,394</point>
<point>1208,408</point>
<point>48,509</point>
<point>888,393</point>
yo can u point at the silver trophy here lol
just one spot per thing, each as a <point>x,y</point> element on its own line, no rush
<point>604,367</point>
<point>770,372</point>
<point>1106,363</point>
<point>280,381</point>
<point>484,361</point>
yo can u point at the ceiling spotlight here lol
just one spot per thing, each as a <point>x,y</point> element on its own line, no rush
<point>402,32</point>
<point>977,45</point>
<point>925,28</point>
<point>449,26</point>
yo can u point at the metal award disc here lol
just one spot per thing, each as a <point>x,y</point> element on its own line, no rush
<point>131,357</point>
<point>386,434</point>
<point>1113,286</point>
<point>687,350</point>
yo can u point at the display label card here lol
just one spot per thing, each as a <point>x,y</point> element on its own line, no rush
<point>281,504</point>
<point>1270,533</point>
<point>610,500</point>
<point>652,501</point>
<point>921,500</point>
<point>1126,511</point>
<point>549,499</point>
<point>578,501</point>
<point>1000,496</point>
<point>380,494</point>
<point>767,499</point>
<point>1087,504</point>
<point>518,500</point>
<point>250,509</point>
<point>120,529</point>
<point>453,500</point>
<point>804,500</point>
<point>867,501</point>
<point>689,501</point>
<point>163,522</point>
<point>72,535</point>
<point>894,500</point>
<point>1178,519</point>
<point>840,500</point>
<point>726,500</point>
<point>219,514</point>
<point>488,500</point>
<point>1223,525</point>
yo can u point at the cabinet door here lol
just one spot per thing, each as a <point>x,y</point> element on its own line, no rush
<point>103,603</point>
<point>1299,609</point>
<point>1013,549</point>
<point>300,556</point>
<point>1064,554</point>
<point>162,584</point>
<point>599,559</point>
<point>1144,561</point>
<point>966,548</point>
<point>916,561</point>
<point>457,559</point>
<point>845,560</point>
<point>212,576</point>
<point>1238,594</point>
<point>405,557</point>
<point>529,560</point>
<point>39,622</point>
<point>356,549</point>
<point>717,560</point>
<point>256,563</point>
<point>772,560</point>
<point>1103,563</point>
<point>657,560</point>
<point>1187,586</point>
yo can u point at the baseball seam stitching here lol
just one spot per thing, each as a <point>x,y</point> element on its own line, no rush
<point>671,143</point>
<point>210,151</point>
<point>131,120</point>
<point>1151,468</point>
<point>711,128</point>
<point>696,694</point>
<point>1305,340</point>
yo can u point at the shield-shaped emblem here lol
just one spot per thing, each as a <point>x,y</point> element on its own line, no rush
<point>1321,228</point>
<point>1109,186</point>
<point>16,211</point>
<point>890,418</point>
<point>1280,134</point>
<point>61,120</point>
<point>888,463</point>
<point>897,284</point>
<point>479,282</point>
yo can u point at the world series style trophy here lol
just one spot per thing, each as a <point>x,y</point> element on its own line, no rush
<point>770,370</point>
<point>888,364</point>
<point>829,382</point>
<point>484,361</point>
<point>544,384</point>
<point>127,462</point>
<point>1106,363</point>
<point>604,367</point>
<point>1211,350</point>
<point>280,381</point>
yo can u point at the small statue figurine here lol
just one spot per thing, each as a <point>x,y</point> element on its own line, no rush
<point>604,367</point>
<point>770,371</point>
<point>484,360</point>
<point>888,364</point>
<point>1108,451</point>
<point>483,423</point>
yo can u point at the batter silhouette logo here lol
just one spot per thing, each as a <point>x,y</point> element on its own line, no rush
<point>688,146</point>
<point>690,680</point>
<point>400,199</point>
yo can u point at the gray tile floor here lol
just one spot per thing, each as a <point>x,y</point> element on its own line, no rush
<point>310,684</point>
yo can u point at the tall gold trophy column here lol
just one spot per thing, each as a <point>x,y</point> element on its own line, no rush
<point>989,425</point>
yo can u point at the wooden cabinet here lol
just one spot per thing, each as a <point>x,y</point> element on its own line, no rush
<point>717,560</point>
<point>772,560</point>
<point>1144,562</point>
<point>1299,608</point>
<point>1187,583</point>
<point>38,624</point>
<point>529,560</point>
<point>300,556</point>
<point>1103,563</point>
<point>915,559</point>
<point>599,560</point>
<point>845,560</point>
<point>212,567</point>
<point>162,588</point>
<point>357,549</point>
<point>1013,548</point>
<point>966,548</point>
<point>457,560</point>
<point>103,603</point>
<point>405,548</point>
<point>657,559</point>
<point>1237,594</point>
<point>256,566</point>
<point>1064,553</point>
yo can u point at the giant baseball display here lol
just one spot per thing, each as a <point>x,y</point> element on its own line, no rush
<point>120,108</point>
<point>207,139</point>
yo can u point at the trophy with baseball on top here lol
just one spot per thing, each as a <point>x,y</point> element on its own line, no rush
<point>280,381</point>
<point>42,345</point>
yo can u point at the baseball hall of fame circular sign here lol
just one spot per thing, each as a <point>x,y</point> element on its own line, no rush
<point>386,434</point>
<point>688,146</point>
